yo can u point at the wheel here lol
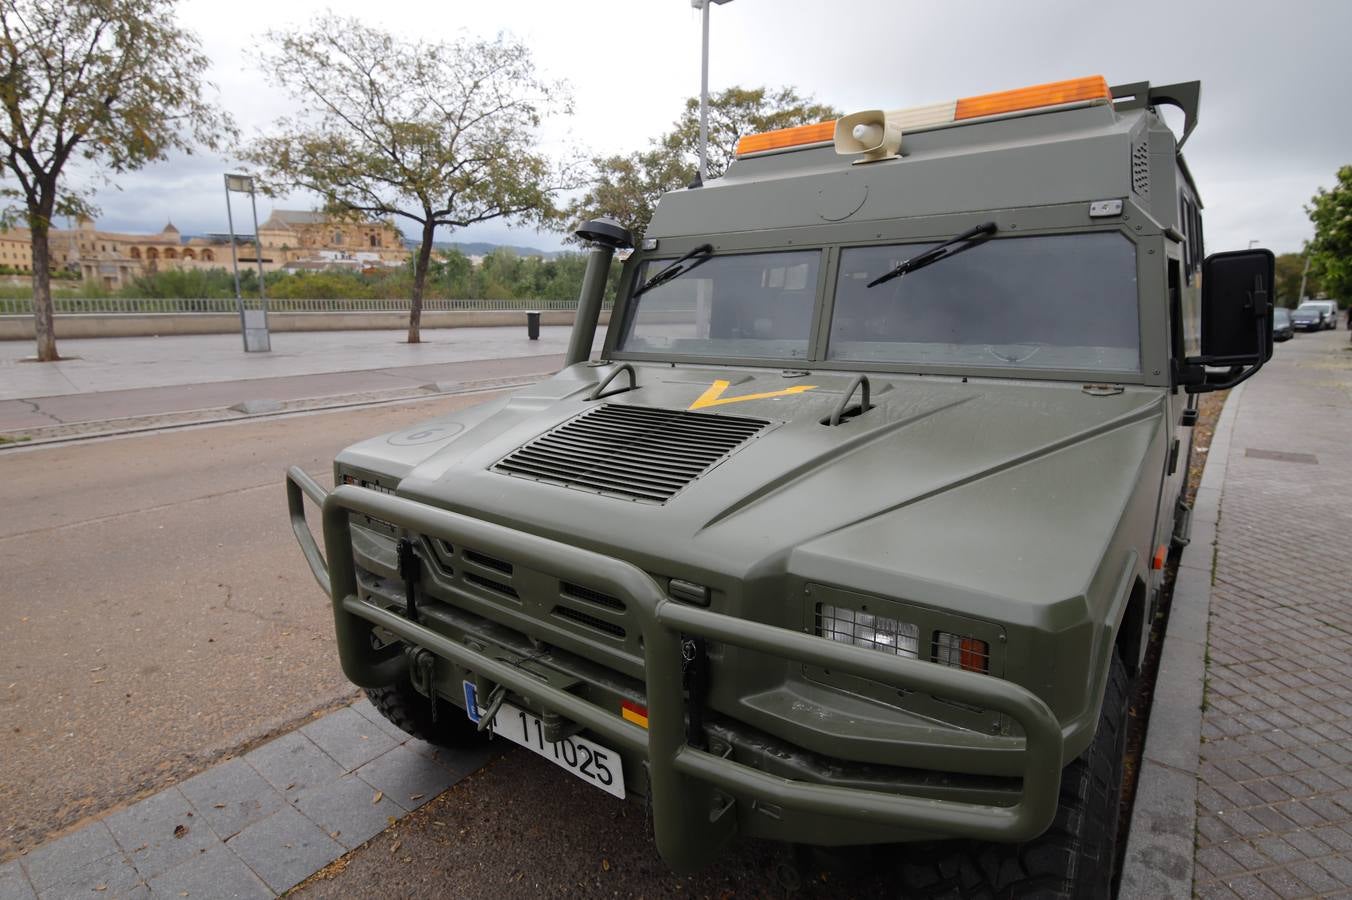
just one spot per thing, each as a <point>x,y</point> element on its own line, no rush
<point>1074,858</point>
<point>412,712</point>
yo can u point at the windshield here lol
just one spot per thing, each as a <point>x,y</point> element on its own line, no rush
<point>1309,311</point>
<point>1281,316</point>
<point>756,305</point>
<point>1053,302</point>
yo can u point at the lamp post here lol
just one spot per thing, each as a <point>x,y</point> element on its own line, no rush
<point>253,323</point>
<point>703,5</point>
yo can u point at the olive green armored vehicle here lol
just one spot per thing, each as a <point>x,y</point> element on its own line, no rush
<point>854,530</point>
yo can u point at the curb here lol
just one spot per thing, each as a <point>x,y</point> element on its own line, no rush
<point>1162,838</point>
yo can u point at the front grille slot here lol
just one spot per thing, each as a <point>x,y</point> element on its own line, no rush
<point>578,592</point>
<point>488,562</point>
<point>634,452</point>
<point>491,585</point>
<point>581,618</point>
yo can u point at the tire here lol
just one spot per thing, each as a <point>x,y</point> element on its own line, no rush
<point>1074,858</point>
<point>411,712</point>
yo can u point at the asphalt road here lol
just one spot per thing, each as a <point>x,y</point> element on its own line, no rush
<point>155,613</point>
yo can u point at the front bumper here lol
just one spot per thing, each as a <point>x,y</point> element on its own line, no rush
<point>692,791</point>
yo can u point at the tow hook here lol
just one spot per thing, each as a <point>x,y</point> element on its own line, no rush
<point>422,671</point>
<point>410,570</point>
<point>695,675</point>
<point>495,700</point>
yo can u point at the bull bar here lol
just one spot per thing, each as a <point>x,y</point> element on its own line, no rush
<point>689,827</point>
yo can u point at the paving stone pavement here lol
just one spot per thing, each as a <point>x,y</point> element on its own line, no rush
<point>1274,798</point>
<point>252,826</point>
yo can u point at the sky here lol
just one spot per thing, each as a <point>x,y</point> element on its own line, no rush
<point>1274,122</point>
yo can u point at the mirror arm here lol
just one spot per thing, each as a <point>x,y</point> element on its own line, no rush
<point>1194,378</point>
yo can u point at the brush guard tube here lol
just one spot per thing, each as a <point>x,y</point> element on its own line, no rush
<point>689,786</point>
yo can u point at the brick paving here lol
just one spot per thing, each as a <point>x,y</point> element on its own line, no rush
<point>252,826</point>
<point>1274,798</point>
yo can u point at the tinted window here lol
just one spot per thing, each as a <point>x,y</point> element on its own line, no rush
<point>757,305</point>
<point>1057,302</point>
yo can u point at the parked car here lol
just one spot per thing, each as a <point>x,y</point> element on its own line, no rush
<point>1331,311</point>
<point>1282,329</point>
<point>1310,316</point>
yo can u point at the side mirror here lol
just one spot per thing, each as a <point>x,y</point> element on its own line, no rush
<point>1236,320</point>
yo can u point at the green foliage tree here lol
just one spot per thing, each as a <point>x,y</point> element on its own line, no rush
<point>1331,249</point>
<point>113,83</point>
<point>1290,271</point>
<point>440,134</point>
<point>627,187</point>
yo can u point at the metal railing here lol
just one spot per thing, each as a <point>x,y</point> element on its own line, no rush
<point>114,305</point>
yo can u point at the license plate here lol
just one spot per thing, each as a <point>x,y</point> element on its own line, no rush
<point>591,762</point>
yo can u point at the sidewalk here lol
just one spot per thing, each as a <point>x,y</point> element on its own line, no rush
<point>126,378</point>
<point>1273,757</point>
<point>111,364</point>
<point>252,826</point>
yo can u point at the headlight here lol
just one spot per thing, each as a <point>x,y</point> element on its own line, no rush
<point>889,635</point>
<point>961,652</point>
<point>863,629</point>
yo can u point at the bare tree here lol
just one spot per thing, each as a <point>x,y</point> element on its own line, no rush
<point>628,187</point>
<point>112,83</point>
<point>443,135</point>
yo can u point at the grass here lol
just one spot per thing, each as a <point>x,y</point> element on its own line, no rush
<point>17,439</point>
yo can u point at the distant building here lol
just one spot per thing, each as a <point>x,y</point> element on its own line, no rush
<point>293,236</point>
<point>291,239</point>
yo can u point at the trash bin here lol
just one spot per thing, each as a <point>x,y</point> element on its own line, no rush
<point>533,325</point>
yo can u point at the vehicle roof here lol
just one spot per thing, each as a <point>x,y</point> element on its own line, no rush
<point>1042,157</point>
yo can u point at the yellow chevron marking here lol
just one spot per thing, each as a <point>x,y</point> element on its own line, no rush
<point>714,395</point>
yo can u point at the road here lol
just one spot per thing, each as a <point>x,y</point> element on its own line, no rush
<point>155,613</point>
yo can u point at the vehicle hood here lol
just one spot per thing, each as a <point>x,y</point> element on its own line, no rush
<point>992,487</point>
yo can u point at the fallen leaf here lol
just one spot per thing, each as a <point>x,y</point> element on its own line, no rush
<point>180,830</point>
<point>395,848</point>
<point>416,796</point>
<point>218,805</point>
<point>100,887</point>
<point>605,865</point>
<point>390,820</point>
<point>380,795</point>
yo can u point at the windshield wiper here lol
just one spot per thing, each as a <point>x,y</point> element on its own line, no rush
<point>676,269</point>
<point>951,247</point>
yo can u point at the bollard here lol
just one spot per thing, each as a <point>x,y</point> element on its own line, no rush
<point>533,325</point>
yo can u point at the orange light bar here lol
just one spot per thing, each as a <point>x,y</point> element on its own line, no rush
<point>1161,554</point>
<point>819,133</point>
<point>1076,90</point>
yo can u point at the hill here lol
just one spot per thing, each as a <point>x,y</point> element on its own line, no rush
<point>483,248</point>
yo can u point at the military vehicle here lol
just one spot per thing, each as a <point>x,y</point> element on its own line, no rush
<point>854,531</point>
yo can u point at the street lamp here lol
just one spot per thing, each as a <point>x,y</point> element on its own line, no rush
<point>704,90</point>
<point>253,323</point>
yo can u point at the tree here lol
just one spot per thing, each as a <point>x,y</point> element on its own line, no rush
<point>1290,271</point>
<point>442,135</point>
<point>628,187</point>
<point>112,83</point>
<point>1331,249</point>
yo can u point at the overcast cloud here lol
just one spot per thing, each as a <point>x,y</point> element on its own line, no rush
<point>1274,122</point>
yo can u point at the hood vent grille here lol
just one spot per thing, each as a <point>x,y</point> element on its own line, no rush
<point>634,452</point>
